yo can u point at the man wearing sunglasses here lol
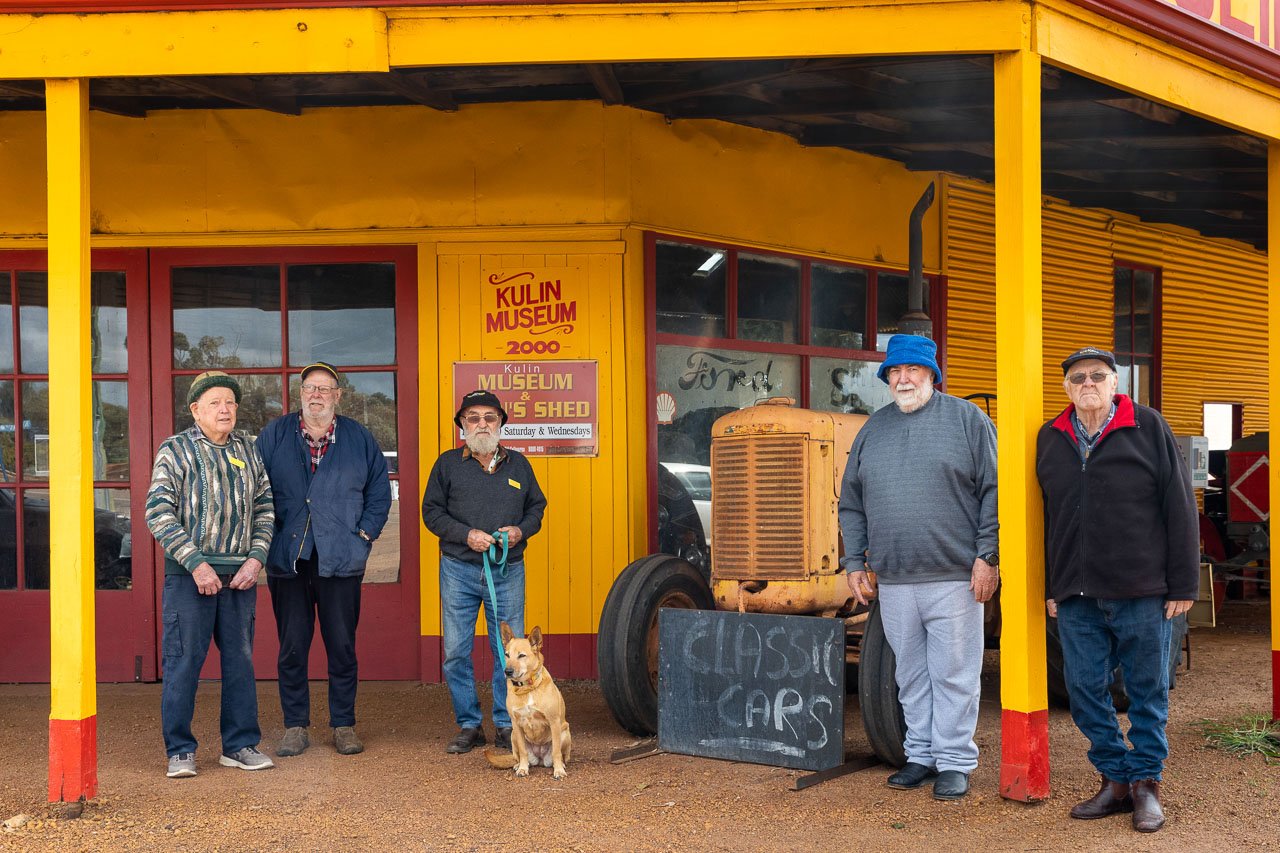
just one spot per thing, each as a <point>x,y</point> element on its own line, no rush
<point>1121,561</point>
<point>332,498</point>
<point>474,492</point>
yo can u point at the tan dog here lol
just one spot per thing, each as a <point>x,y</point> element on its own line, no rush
<point>539,731</point>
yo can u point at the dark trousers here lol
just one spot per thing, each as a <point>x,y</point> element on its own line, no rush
<point>297,601</point>
<point>191,621</point>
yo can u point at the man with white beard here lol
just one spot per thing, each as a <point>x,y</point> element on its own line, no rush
<point>474,493</point>
<point>918,509</point>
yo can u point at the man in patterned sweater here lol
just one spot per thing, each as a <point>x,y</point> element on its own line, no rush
<point>210,508</point>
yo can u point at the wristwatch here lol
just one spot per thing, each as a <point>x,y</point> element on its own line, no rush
<point>363,535</point>
<point>991,558</point>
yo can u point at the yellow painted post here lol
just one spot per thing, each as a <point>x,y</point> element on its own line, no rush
<point>73,736</point>
<point>1024,762</point>
<point>1273,389</point>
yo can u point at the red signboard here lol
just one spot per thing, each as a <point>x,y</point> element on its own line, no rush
<point>553,406</point>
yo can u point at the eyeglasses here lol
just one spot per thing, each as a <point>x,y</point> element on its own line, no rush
<point>319,389</point>
<point>475,419</point>
<point>1098,377</point>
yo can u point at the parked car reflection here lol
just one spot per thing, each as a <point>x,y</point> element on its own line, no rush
<point>696,480</point>
<point>680,530</point>
<point>113,544</point>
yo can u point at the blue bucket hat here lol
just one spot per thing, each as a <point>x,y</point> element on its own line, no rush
<point>910,349</point>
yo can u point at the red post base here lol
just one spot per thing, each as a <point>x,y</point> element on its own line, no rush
<point>1024,755</point>
<point>73,759</point>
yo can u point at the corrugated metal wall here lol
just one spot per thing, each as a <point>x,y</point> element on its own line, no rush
<point>1213,297</point>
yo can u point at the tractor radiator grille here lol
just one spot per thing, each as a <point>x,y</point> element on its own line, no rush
<point>758,508</point>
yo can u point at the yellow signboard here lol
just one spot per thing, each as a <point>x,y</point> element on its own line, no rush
<point>534,311</point>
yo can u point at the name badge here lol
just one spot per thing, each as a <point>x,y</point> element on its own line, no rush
<point>513,484</point>
<point>239,463</point>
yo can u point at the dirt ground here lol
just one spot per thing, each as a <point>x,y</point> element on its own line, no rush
<point>404,793</point>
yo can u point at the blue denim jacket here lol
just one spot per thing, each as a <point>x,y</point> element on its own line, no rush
<point>347,493</point>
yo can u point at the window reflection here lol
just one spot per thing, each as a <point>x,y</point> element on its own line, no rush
<point>107,321</point>
<point>369,398</point>
<point>768,298</point>
<point>261,399</point>
<point>342,313</point>
<point>690,289</point>
<point>6,321</point>
<point>112,542</point>
<point>891,304</point>
<point>8,540</point>
<point>847,386</point>
<point>226,317</point>
<point>8,458</point>
<point>839,307</point>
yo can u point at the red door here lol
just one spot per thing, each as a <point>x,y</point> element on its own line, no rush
<point>260,314</point>
<point>124,602</point>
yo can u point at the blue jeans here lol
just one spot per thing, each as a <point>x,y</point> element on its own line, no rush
<point>191,620</point>
<point>462,594</point>
<point>1098,633</point>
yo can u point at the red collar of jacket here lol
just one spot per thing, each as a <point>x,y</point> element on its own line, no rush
<point>1125,417</point>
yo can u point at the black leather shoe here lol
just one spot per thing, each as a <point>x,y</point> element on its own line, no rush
<point>1112,798</point>
<point>951,785</point>
<point>502,740</point>
<point>465,741</point>
<point>912,775</point>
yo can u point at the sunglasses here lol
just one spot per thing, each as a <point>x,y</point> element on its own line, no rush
<point>475,419</point>
<point>1098,377</point>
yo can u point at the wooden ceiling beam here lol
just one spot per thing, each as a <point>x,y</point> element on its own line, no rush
<point>418,90</point>
<point>236,90</point>
<point>606,83</point>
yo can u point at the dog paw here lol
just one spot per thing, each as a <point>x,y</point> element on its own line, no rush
<point>559,773</point>
<point>522,770</point>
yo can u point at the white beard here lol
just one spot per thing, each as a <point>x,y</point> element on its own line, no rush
<point>483,444</point>
<point>912,399</point>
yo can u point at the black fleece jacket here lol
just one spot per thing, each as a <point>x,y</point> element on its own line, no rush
<point>462,495</point>
<point>1123,524</point>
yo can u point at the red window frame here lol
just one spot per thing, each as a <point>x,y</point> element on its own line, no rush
<point>1127,353</point>
<point>806,351</point>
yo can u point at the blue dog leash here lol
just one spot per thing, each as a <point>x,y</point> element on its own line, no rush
<point>491,553</point>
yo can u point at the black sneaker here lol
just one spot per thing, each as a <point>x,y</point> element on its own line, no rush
<point>502,740</point>
<point>465,741</point>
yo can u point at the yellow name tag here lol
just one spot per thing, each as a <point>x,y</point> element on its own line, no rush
<point>239,463</point>
<point>513,484</point>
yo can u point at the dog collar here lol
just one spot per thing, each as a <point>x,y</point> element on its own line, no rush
<point>530,683</point>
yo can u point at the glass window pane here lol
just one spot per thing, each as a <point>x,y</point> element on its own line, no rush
<point>690,284</point>
<point>261,399</point>
<point>33,321</point>
<point>768,298</point>
<point>1123,310</point>
<point>839,306</point>
<point>1144,284</point>
<point>35,538</point>
<point>384,559</point>
<point>891,305</point>
<point>6,322</point>
<point>369,398</point>
<point>226,317</point>
<point>111,430</point>
<point>108,326</point>
<point>8,540</point>
<point>112,539</point>
<point>35,430</point>
<point>8,461</point>
<point>342,314</point>
<point>1134,374</point>
<point>846,385</point>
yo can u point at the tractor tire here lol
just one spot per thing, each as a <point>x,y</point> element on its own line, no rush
<point>878,693</point>
<point>627,641</point>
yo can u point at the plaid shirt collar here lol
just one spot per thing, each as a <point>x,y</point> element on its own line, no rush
<point>499,456</point>
<point>319,446</point>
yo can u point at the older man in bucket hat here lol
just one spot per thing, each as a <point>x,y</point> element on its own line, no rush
<point>474,492</point>
<point>332,497</point>
<point>918,508</point>
<point>209,507</point>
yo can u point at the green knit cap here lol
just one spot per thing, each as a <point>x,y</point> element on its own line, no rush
<point>212,379</point>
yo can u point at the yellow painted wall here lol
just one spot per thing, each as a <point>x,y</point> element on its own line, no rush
<point>1213,291</point>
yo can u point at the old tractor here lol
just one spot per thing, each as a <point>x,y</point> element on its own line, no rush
<point>776,472</point>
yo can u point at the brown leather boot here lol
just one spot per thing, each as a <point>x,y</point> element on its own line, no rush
<point>1112,798</point>
<point>1148,816</point>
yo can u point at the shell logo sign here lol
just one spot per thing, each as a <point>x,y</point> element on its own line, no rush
<point>533,311</point>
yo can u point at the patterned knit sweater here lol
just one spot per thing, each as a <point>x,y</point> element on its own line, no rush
<point>210,503</point>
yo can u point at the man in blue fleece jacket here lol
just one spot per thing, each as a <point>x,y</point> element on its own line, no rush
<point>918,508</point>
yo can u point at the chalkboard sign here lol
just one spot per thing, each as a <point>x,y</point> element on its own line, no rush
<point>751,687</point>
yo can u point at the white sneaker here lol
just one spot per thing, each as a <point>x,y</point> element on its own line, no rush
<point>182,765</point>
<point>246,759</point>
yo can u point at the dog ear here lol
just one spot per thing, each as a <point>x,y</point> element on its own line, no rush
<point>505,631</point>
<point>535,638</point>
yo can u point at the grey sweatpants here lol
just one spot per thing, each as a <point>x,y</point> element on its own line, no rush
<point>935,631</point>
